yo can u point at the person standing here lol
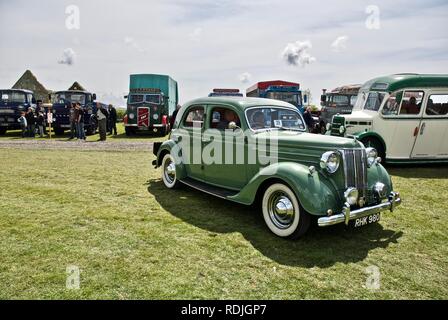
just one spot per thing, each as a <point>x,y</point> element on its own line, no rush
<point>112,120</point>
<point>79,118</point>
<point>31,123</point>
<point>72,119</point>
<point>40,124</point>
<point>101,115</point>
<point>23,123</point>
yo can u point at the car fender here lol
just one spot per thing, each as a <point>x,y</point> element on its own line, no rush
<point>314,190</point>
<point>167,147</point>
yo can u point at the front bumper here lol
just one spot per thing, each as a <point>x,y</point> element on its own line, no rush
<point>347,214</point>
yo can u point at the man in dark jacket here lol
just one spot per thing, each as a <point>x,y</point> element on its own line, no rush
<point>102,115</point>
<point>31,123</point>
<point>308,117</point>
<point>112,120</point>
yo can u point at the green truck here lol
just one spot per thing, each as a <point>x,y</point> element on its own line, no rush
<point>151,102</point>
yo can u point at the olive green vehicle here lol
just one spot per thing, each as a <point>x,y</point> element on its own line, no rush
<point>335,179</point>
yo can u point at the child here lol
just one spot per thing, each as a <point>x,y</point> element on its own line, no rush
<point>40,124</point>
<point>23,123</point>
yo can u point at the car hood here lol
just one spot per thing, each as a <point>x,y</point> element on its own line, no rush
<point>306,147</point>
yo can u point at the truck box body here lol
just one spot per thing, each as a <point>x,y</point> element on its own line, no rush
<point>151,102</point>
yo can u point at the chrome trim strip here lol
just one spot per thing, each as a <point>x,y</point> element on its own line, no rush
<point>347,214</point>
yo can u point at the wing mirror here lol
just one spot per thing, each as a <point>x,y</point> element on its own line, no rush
<point>233,126</point>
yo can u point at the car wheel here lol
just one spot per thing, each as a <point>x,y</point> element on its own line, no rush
<point>169,172</point>
<point>282,212</point>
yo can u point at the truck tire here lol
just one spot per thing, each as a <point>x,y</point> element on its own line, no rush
<point>3,131</point>
<point>58,131</point>
<point>283,213</point>
<point>129,131</point>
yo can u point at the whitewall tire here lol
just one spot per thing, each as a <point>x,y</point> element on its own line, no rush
<point>282,212</point>
<point>169,176</point>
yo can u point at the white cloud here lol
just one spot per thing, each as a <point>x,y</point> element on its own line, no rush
<point>196,35</point>
<point>68,57</point>
<point>340,44</point>
<point>245,77</point>
<point>132,43</point>
<point>296,54</point>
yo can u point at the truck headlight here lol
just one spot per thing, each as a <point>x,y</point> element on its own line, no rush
<point>330,161</point>
<point>155,116</point>
<point>372,156</point>
<point>341,129</point>
<point>351,196</point>
<point>131,116</point>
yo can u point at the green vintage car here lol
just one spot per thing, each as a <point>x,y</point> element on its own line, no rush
<point>250,150</point>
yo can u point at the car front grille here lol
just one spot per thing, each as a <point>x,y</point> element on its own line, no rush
<point>337,122</point>
<point>355,170</point>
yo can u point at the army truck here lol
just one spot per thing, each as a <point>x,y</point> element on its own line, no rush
<point>151,102</point>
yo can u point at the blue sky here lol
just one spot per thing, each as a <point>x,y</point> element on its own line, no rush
<point>207,44</point>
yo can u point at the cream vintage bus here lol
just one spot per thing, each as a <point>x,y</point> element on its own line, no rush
<point>403,116</point>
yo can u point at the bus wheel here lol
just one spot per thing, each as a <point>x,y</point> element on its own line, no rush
<point>58,131</point>
<point>3,131</point>
<point>371,142</point>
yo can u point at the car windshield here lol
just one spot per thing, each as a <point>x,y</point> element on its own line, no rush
<point>262,118</point>
<point>13,96</point>
<point>71,97</point>
<point>290,97</point>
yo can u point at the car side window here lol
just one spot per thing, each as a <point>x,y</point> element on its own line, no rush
<point>194,117</point>
<point>221,117</point>
<point>437,105</point>
<point>411,103</point>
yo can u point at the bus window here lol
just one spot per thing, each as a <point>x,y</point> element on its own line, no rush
<point>437,105</point>
<point>392,104</point>
<point>412,102</point>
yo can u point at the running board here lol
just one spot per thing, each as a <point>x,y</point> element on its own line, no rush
<point>204,187</point>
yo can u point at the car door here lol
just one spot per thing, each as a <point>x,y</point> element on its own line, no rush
<point>433,131</point>
<point>224,149</point>
<point>400,121</point>
<point>189,138</point>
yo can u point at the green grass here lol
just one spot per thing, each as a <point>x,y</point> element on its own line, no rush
<point>121,136</point>
<point>109,214</point>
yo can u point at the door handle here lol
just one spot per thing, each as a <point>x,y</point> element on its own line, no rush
<point>422,128</point>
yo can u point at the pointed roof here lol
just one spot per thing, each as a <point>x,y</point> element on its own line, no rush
<point>29,81</point>
<point>77,86</point>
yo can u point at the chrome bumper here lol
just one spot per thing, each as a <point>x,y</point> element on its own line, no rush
<point>347,215</point>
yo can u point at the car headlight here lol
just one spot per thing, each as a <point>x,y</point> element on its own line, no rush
<point>330,161</point>
<point>351,196</point>
<point>372,156</point>
<point>155,116</point>
<point>131,116</point>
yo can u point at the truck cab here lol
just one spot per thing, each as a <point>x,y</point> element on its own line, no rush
<point>278,90</point>
<point>12,103</point>
<point>338,101</point>
<point>151,102</point>
<point>62,103</point>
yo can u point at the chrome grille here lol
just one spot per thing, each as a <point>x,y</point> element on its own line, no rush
<point>355,170</point>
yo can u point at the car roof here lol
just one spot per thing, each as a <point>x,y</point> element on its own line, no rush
<point>241,103</point>
<point>399,81</point>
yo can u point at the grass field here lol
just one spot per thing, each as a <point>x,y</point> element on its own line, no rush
<point>109,214</point>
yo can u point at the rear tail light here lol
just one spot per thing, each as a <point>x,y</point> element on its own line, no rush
<point>125,119</point>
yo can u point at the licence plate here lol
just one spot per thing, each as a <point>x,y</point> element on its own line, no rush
<point>373,218</point>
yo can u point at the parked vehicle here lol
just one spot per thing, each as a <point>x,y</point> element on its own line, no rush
<point>335,179</point>
<point>226,93</point>
<point>339,101</point>
<point>279,90</point>
<point>62,101</point>
<point>14,101</point>
<point>152,100</point>
<point>403,116</point>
